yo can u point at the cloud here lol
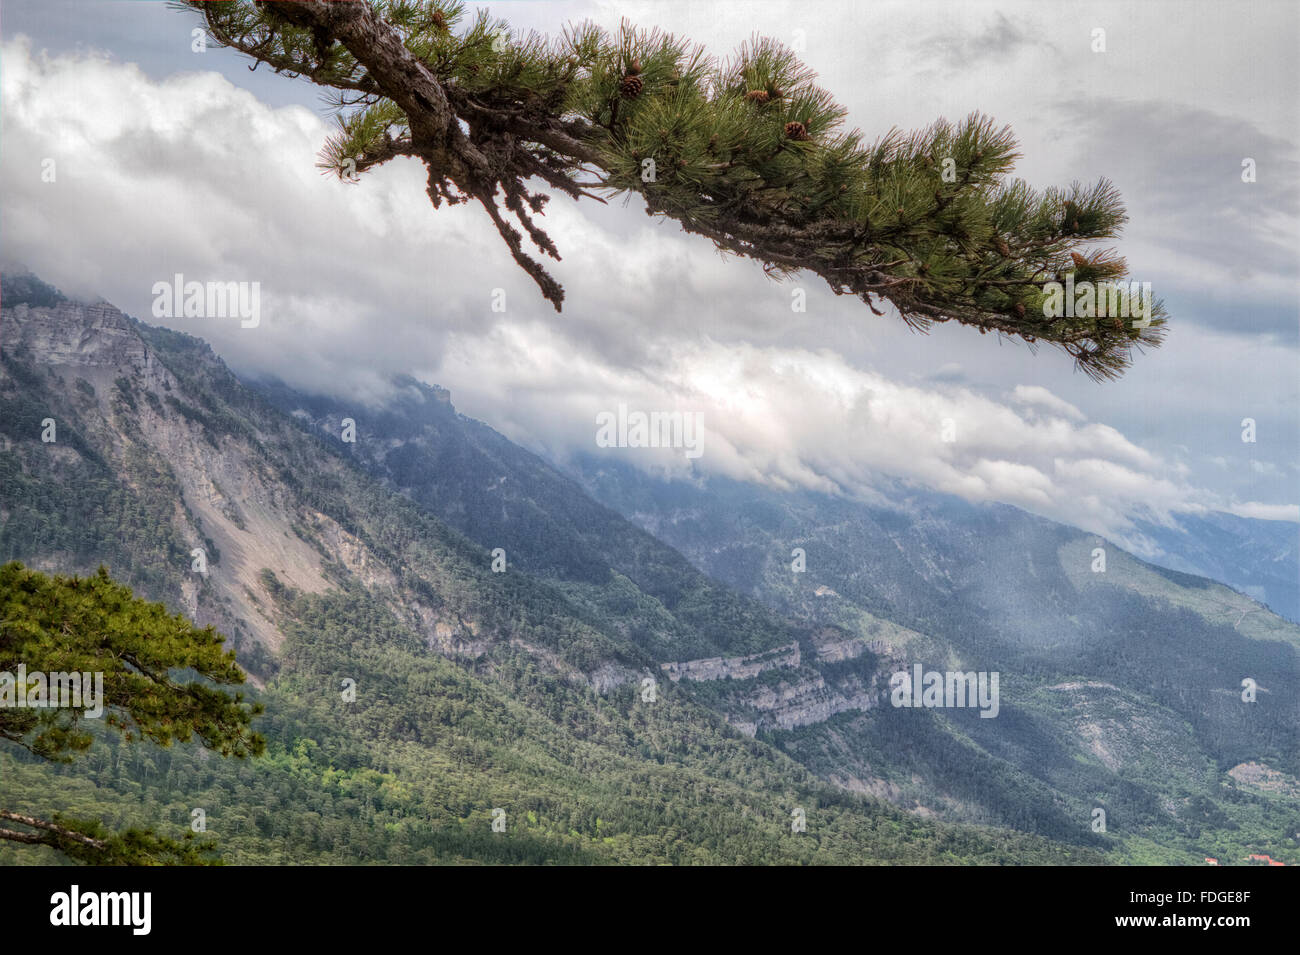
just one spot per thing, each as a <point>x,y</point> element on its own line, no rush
<point>951,372</point>
<point>1180,169</point>
<point>791,418</point>
<point>191,174</point>
<point>1038,395</point>
<point>957,49</point>
<point>1266,512</point>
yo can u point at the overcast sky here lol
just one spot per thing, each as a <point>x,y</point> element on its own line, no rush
<point>169,161</point>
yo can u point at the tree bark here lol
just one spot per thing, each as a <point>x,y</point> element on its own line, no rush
<point>54,831</point>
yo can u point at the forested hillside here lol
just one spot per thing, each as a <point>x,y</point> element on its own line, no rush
<point>1121,687</point>
<point>411,692</point>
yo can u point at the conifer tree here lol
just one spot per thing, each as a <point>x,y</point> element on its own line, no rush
<point>158,672</point>
<point>746,151</point>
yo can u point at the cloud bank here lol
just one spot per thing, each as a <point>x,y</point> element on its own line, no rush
<point>193,175</point>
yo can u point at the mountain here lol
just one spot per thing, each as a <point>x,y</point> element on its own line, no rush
<point>502,496</point>
<point>1121,683</point>
<point>414,695</point>
<point>373,560</point>
<point>1097,715</point>
<point>1259,558</point>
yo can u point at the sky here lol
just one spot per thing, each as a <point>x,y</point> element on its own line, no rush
<point>170,160</point>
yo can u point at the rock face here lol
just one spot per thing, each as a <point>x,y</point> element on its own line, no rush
<point>75,335</point>
<point>801,696</point>
<point>222,465</point>
<point>811,701</point>
<point>227,506</point>
<point>1265,778</point>
<point>834,646</point>
<point>733,668</point>
<point>805,700</point>
<point>145,411</point>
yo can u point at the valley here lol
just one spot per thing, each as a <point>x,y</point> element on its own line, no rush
<point>371,561</point>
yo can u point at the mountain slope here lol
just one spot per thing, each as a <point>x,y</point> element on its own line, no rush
<point>933,580</point>
<point>1257,557</point>
<point>1120,688</point>
<point>500,495</point>
<point>478,695</point>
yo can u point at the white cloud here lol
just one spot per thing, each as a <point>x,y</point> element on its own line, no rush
<point>1266,512</point>
<point>798,418</point>
<point>193,175</point>
<point>1038,395</point>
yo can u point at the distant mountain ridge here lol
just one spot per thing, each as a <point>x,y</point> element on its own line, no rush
<point>328,556</point>
<point>987,587</point>
<point>930,576</point>
<point>477,696</point>
<point>1260,558</point>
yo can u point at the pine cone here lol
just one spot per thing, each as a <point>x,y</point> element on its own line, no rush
<point>1079,261</point>
<point>631,87</point>
<point>757,96</point>
<point>1019,309</point>
<point>796,131</point>
<point>1004,250</point>
<point>439,21</point>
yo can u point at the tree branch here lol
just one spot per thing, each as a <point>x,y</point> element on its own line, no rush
<point>55,832</point>
<point>773,183</point>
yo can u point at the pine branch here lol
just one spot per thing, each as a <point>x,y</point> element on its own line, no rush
<point>747,152</point>
<point>51,833</point>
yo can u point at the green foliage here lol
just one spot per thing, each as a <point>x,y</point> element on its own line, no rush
<point>94,625</point>
<point>410,772</point>
<point>129,648</point>
<point>746,151</point>
<point>136,847</point>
